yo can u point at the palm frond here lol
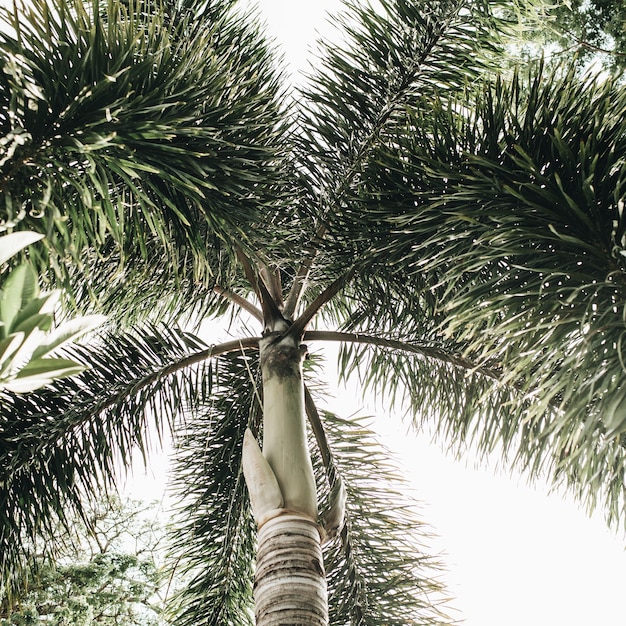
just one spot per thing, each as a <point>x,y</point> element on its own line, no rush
<point>509,205</point>
<point>392,54</point>
<point>468,404</point>
<point>167,290</point>
<point>379,569</point>
<point>128,129</point>
<point>215,534</point>
<point>68,441</point>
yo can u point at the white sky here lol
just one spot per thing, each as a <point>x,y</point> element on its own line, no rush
<point>516,556</point>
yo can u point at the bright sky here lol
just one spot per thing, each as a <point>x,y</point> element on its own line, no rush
<point>516,556</point>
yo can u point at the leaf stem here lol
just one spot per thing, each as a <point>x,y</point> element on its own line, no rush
<point>296,329</point>
<point>394,344</point>
<point>239,301</point>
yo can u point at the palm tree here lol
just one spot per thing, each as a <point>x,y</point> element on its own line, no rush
<point>458,233</point>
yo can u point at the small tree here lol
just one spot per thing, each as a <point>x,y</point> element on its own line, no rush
<point>593,28</point>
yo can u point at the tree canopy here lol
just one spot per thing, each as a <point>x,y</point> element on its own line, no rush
<point>591,28</point>
<point>457,226</point>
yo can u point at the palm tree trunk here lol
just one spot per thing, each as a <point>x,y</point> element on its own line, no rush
<point>290,584</point>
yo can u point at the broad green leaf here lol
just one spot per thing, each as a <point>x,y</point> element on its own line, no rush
<point>49,365</point>
<point>19,289</point>
<point>40,321</point>
<point>8,347</point>
<point>12,243</point>
<point>43,305</point>
<point>28,385</point>
<point>68,331</point>
<point>41,372</point>
<point>23,354</point>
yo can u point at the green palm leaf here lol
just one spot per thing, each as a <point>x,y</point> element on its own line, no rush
<point>378,567</point>
<point>64,443</point>
<point>509,206</point>
<point>215,535</point>
<point>134,127</point>
<point>392,54</point>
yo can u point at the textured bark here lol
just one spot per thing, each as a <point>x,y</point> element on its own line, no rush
<point>290,585</point>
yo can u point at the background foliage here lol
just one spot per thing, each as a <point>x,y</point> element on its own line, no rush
<point>103,570</point>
